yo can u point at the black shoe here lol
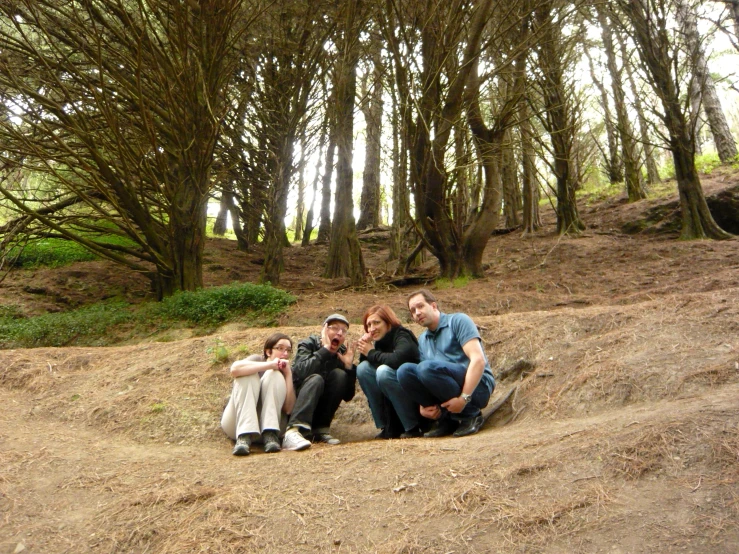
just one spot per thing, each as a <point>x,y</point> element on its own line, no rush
<point>243,442</point>
<point>441,428</point>
<point>412,433</point>
<point>382,435</point>
<point>271,442</point>
<point>325,438</point>
<point>469,426</point>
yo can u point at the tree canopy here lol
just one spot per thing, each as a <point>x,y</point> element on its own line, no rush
<point>121,119</point>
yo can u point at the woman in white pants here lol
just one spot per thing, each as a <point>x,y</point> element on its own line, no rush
<point>262,391</point>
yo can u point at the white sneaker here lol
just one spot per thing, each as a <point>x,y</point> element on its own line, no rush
<point>294,441</point>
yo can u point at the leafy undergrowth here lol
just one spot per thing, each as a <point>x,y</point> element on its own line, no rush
<point>111,322</point>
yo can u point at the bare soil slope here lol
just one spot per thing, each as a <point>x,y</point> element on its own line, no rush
<point>622,434</point>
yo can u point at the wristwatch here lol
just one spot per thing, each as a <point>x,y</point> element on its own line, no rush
<point>466,397</point>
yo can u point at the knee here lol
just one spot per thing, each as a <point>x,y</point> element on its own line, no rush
<point>425,369</point>
<point>338,377</point>
<point>271,375</point>
<point>365,370</point>
<point>313,383</point>
<point>405,371</point>
<point>246,380</point>
<point>386,374</point>
<point>273,378</point>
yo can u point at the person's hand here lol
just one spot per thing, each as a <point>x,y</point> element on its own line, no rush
<point>347,358</point>
<point>365,344</point>
<point>283,366</point>
<point>325,341</point>
<point>431,412</point>
<point>455,405</point>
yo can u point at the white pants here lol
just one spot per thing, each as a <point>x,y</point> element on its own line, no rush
<point>255,404</point>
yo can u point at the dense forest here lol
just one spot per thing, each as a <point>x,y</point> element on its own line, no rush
<point>122,119</point>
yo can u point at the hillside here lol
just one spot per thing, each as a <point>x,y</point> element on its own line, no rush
<point>622,433</point>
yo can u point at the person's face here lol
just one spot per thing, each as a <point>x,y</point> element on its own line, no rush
<point>281,350</point>
<point>377,327</point>
<point>336,332</point>
<point>422,312</point>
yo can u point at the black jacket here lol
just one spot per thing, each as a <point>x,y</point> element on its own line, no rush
<point>312,357</point>
<point>397,347</point>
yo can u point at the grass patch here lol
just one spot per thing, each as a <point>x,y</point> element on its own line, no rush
<point>158,407</point>
<point>597,189</point>
<point>457,283</point>
<point>50,253</point>
<point>88,325</point>
<point>109,322</point>
<point>56,252</point>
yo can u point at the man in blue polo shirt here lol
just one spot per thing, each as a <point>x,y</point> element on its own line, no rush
<point>453,381</point>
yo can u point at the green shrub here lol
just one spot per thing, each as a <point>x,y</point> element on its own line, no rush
<point>218,351</point>
<point>667,171</point>
<point>706,163</point>
<point>51,253</point>
<point>89,324</point>
<point>218,304</point>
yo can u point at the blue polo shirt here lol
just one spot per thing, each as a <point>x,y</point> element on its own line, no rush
<point>453,331</point>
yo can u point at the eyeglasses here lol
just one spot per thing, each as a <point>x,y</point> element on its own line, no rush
<point>283,349</point>
<point>338,329</point>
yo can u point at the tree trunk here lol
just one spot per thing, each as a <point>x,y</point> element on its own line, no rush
<point>241,238</point>
<point>531,219</point>
<point>511,186</point>
<point>427,168</point>
<point>734,10</point>
<point>720,130</point>
<point>324,227</point>
<point>612,160</point>
<point>309,217</point>
<point>697,122</point>
<point>221,222</point>
<point>345,254</point>
<point>274,228</point>
<point>369,204</point>
<point>561,120</point>
<point>301,195</point>
<point>632,172</point>
<point>463,157</point>
<point>401,237</point>
<point>399,171</point>
<point>653,177</point>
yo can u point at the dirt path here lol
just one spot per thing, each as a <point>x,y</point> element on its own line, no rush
<point>69,489</point>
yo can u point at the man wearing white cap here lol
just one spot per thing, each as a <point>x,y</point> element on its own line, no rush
<point>324,374</point>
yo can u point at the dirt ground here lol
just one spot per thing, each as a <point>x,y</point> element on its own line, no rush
<point>621,434</point>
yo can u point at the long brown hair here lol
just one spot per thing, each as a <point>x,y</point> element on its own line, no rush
<point>385,313</point>
<point>273,339</point>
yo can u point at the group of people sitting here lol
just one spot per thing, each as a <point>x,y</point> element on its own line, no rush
<point>433,386</point>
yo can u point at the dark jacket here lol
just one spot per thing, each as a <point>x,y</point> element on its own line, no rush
<point>397,347</point>
<point>312,357</point>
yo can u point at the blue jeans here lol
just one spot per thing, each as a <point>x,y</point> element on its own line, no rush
<point>434,382</point>
<point>383,382</point>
